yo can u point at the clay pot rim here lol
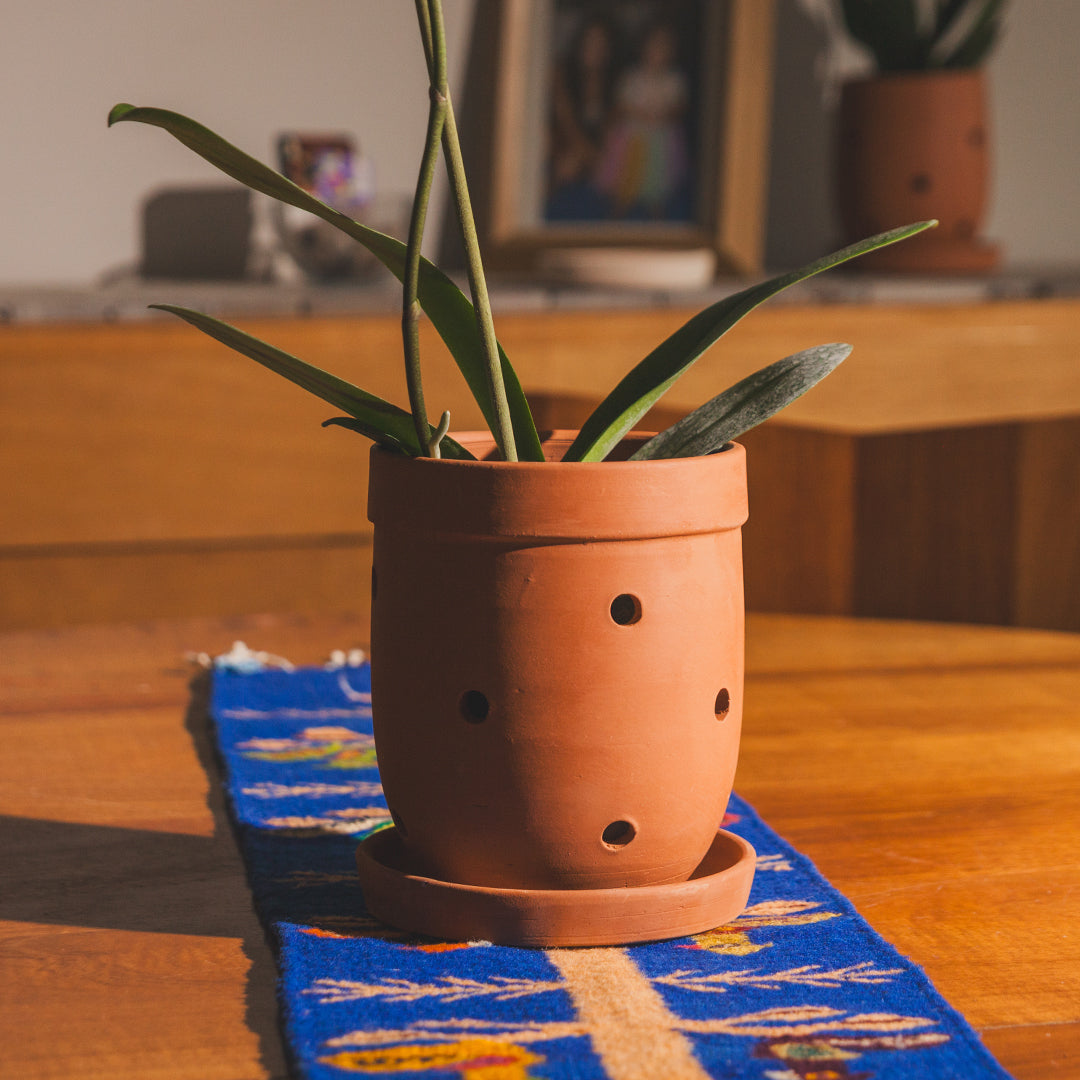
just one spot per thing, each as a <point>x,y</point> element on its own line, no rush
<point>918,75</point>
<point>559,499</point>
<point>473,438</point>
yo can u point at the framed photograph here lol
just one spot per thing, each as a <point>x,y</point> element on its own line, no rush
<point>629,123</point>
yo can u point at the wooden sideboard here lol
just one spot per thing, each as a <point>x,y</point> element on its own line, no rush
<point>149,472</point>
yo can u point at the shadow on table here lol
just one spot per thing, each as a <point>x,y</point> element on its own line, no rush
<point>121,879</point>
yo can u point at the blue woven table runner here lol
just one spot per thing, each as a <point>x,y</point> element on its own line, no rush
<point>797,988</point>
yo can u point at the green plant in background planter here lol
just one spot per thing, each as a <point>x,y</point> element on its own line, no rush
<point>557,623</point>
<point>903,36</point>
<point>913,138</point>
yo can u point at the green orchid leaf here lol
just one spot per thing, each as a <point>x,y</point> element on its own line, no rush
<point>387,442</point>
<point>386,423</point>
<point>642,387</point>
<point>744,405</point>
<point>445,304</point>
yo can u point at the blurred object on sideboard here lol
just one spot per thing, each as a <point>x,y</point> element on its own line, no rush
<point>197,233</point>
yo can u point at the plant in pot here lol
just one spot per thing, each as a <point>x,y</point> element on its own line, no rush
<point>557,619</point>
<point>912,138</point>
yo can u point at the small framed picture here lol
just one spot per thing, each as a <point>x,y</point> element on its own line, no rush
<point>331,168</point>
<point>327,166</point>
<point>629,123</point>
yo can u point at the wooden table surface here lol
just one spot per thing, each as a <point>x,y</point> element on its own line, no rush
<point>931,771</point>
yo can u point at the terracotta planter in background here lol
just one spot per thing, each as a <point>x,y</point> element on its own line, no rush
<point>557,666</point>
<point>913,146</point>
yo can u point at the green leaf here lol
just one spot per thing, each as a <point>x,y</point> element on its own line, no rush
<point>650,380</point>
<point>980,38</point>
<point>386,423</point>
<point>744,405</point>
<point>889,29</point>
<point>945,16</point>
<point>352,424</point>
<point>446,305</point>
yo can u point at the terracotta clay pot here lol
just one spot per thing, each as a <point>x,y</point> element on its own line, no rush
<point>557,666</point>
<point>913,146</point>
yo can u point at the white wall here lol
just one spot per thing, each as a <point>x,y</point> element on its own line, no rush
<point>70,189</point>
<point>1035,87</point>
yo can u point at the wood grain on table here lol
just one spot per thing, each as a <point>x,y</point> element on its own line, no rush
<point>932,772</point>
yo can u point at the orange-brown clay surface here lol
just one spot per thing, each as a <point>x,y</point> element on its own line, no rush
<point>714,894</point>
<point>913,146</point>
<point>558,664</point>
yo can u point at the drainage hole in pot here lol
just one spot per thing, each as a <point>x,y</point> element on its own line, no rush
<point>474,706</point>
<point>921,183</point>
<point>398,824</point>
<point>625,609</point>
<point>619,834</point>
<point>723,704</point>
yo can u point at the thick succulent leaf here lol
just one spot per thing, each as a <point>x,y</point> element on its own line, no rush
<point>980,39</point>
<point>386,423</point>
<point>744,405</point>
<point>450,311</point>
<point>649,381</point>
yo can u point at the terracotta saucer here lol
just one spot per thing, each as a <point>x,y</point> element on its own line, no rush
<point>714,894</point>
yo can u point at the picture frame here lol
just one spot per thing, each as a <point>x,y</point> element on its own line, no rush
<point>326,165</point>
<point>689,80</point>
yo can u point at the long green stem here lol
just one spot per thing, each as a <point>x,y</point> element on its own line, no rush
<point>504,434</point>
<point>435,51</point>
<point>459,188</point>
<point>410,306</point>
<point>423,16</point>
